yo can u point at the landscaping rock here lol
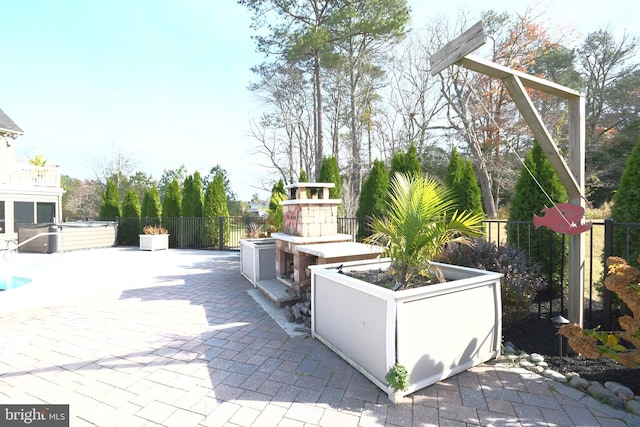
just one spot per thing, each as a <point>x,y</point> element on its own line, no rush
<point>579,383</point>
<point>599,392</point>
<point>570,375</point>
<point>553,375</point>
<point>623,392</point>
<point>509,348</point>
<point>633,406</point>
<point>526,364</point>
<point>536,358</point>
<point>537,369</point>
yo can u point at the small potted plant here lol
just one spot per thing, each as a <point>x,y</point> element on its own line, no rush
<point>154,238</point>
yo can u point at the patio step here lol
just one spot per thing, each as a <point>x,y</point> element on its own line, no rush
<point>277,292</point>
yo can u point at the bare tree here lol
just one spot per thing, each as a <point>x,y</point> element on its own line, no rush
<point>116,165</point>
<point>480,109</point>
<point>285,130</point>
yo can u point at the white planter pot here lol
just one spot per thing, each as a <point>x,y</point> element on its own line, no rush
<point>433,331</point>
<point>258,259</point>
<point>153,242</point>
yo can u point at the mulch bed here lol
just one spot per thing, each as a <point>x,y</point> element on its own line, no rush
<point>540,336</point>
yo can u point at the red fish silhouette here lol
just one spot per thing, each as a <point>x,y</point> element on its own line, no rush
<point>563,218</point>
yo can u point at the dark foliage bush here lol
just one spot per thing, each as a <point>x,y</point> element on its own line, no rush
<point>372,201</point>
<point>129,226</point>
<point>110,204</point>
<point>522,278</point>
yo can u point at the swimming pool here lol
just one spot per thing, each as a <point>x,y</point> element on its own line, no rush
<point>13,282</point>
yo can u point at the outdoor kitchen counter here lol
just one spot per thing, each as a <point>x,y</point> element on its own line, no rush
<point>340,251</point>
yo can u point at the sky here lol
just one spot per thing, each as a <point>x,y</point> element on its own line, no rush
<point>165,81</point>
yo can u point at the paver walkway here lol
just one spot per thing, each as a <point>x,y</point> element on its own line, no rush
<point>173,338</point>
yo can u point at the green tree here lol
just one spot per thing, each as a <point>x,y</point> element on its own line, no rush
<point>192,204</point>
<point>318,35</point>
<point>329,173</point>
<point>303,176</point>
<point>129,226</point>
<point>610,163</point>
<point>215,207</point>
<point>406,163</point>
<point>278,188</point>
<point>528,200</point>
<point>276,215</point>
<point>461,179</point>
<point>364,33</point>
<point>139,182</point>
<point>192,196</point>
<point>626,208</point>
<point>172,200</point>
<point>110,206</point>
<point>372,201</point>
<point>171,211</point>
<point>151,209</point>
<point>168,175</point>
<point>231,196</point>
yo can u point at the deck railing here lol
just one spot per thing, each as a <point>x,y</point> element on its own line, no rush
<point>37,176</point>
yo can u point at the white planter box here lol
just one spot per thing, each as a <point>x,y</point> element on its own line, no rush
<point>153,242</point>
<point>433,331</point>
<point>258,259</point>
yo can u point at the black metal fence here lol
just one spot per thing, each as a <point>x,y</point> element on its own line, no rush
<point>220,233</point>
<point>605,238</point>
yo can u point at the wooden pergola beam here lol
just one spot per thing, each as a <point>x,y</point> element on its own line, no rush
<point>532,82</point>
<point>572,176</point>
<point>522,100</point>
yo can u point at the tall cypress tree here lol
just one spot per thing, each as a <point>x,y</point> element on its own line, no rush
<point>407,163</point>
<point>172,200</point>
<point>454,169</point>
<point>626,208</point>
<point>171,211</point>
<point>215,207</point>
<point>276,215</point>
<point>372,201</point>
<point>151,208</point>
<point>329,172</point>
<point>129,226</point>
<point>404,163</point>
<point>471,194</point>
<point>461,179</point>
<point>192,197</point>
<point>192,203</point>
<point>110,204</point>
<point>528,200</point>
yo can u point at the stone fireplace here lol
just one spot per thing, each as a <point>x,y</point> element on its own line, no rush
<point>310,217</point>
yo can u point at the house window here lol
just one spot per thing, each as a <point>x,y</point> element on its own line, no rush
<point>46,212</point>
<point>22,214</point>
<point>2,216</point>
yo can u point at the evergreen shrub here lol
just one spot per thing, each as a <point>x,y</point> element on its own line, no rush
<point>129,225</point>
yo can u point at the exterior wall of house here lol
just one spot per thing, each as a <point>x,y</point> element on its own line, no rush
<point>27,184</point>
<point>11,197</point>
<point>6,159</point>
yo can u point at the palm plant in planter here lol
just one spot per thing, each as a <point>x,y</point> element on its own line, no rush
<point>432,331</point>
<point>419,224</point>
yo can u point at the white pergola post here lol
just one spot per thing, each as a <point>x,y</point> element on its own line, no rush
<point>572,175</point>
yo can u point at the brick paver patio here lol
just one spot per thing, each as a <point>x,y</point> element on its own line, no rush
<point>173,338</point>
